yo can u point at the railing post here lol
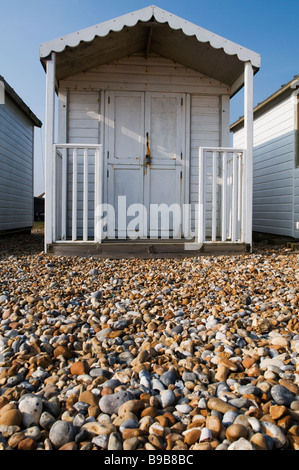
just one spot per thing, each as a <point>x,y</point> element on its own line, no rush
<point>98,194</point>
<point>243,196</point>
<point>85,195</point>
<point>64,194</point>
<point>224,196</point>
<point>240,195</point>
<point>234,197</point>
<point>74,194</point>
<point>214,196</point>
<point>201,197</point>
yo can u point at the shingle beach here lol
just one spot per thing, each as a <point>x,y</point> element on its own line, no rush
<point>165,355</point>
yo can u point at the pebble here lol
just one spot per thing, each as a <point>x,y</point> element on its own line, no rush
<point>220,405</point>
<point>168,398</point>
<point>111,403</point>
<point>276,433</point>
<point>31,408</point>
<point>281,395</point>
<point>235,432</point>
<point>241,444</point>
<point>11,417</point>
<point>27,444</point>
<point>61,433</point>
<point>167,354</point>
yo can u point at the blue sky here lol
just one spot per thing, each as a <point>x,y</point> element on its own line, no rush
<point>268,27</point>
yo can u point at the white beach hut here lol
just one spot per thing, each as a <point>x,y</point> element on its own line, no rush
<point>17,123</point>
<point>275,161</point>
<point>142,162</point>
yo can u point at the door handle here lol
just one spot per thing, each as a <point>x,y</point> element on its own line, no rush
<point>148,151</point>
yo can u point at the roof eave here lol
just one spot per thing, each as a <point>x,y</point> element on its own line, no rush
<point>279,94</point>
<point>20,103</point>
<point>101,30</point>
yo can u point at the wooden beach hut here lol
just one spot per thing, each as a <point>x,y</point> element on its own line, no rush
<point>17,123</point>
<point>142,159</point>
<point>275,161</point>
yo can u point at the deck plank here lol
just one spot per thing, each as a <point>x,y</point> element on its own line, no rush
<point>144,250</point>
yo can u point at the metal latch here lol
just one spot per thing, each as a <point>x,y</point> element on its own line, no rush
<point>148,151</point>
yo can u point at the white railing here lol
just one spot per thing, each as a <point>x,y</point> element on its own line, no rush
<point>78,188</point>
<point>77,191</point>
<point>221,215</point>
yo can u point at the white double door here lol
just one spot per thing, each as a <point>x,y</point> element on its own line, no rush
<point>145,190</point>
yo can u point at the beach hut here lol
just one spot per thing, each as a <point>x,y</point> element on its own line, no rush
<point>142,159</point>
<point>275,161</point>
<point>17,123</point>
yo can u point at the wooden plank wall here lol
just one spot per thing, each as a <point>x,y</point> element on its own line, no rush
<point>16,168</point>
<point>273,169</point>
<point>139,74</point>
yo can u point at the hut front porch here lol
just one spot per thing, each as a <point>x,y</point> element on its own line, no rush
<point>84,225</point>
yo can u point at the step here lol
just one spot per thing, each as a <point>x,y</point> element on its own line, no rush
<point>122,250</point>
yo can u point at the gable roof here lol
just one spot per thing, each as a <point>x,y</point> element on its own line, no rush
<point>20,103</point>
<point>150,29</point>
<point>282,93</point>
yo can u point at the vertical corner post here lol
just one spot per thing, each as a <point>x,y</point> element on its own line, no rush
<point>49,141</point>
<point>248,128</point>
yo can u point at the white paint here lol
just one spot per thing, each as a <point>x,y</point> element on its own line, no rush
<point>275,193</point>
<point>160,117</point>
<point>248,139</point>
<point>135,73</point>
<point>16,167</point>
<point>202,121</point>
<point>50,232</point>
<point>80,220</point>
<point>204,118</point>
<point>227,177</point>
<point>145,14</point>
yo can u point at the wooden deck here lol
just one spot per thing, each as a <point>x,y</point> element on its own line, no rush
<point>124,249</point>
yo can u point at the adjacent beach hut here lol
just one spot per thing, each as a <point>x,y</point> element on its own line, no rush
<point>17,123</point>
<point>142,154</point>
<point>275,161</point>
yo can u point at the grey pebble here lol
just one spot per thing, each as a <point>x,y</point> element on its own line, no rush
<point>281,395</point>
<point>169,377</point>
<point>115,441</point>
<point>46,420</point>
<point>250,389</point>
<point>167,397</point>
<point>228,418</point>
<point>239,402</point>
<point>101,441</point>
<point>61,433</point>
<point>82,435</point>
<point>112,383</point>
<point>157,384</point>
<point>129,423</point>
<point>110,403</point>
